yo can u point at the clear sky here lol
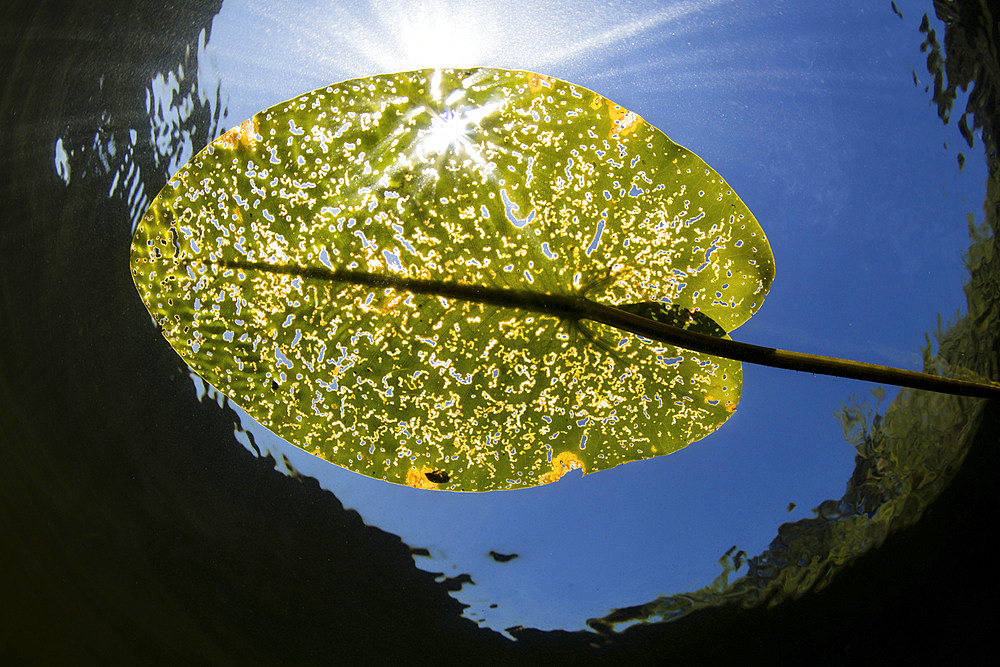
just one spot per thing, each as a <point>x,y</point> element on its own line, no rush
<point>810,112</point>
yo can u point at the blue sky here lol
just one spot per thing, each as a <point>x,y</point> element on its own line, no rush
<point>810,112</point>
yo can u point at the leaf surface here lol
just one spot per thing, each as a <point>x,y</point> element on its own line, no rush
<point>504,179</point>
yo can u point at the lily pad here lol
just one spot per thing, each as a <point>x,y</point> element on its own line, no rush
<point>283,264</point>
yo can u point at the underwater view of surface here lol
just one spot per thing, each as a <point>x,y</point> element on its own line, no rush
<point>825,119</point>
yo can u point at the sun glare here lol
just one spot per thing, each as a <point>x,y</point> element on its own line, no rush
<point>455,129</point>
<point>439,34</point>
<point>521,34</point>
<point>446,131</point>
<point>456,126</point>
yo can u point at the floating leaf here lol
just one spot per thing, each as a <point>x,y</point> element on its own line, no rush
<point>304,264</point>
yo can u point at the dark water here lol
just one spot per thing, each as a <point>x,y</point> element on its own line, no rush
<point>133,526</point>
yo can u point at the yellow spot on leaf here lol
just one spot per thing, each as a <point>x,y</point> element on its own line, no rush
<point>243,135</point>
<point>623,121</point>
<point>562,464</point>
<point>537,81</point>
<point>628,124</point>
<point>418,478</point>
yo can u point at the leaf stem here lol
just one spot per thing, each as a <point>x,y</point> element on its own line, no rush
<point>795,361</point>
<point>580,308</point>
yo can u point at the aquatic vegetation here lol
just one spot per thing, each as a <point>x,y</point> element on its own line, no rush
<point>464,279</point>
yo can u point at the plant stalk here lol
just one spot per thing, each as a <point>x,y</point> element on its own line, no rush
<point>580,308</point>
<point>795,361</point>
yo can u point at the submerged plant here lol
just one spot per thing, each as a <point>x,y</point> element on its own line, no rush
<point>465,279</point>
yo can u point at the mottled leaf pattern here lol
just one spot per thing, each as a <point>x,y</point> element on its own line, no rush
<point>486,177</point>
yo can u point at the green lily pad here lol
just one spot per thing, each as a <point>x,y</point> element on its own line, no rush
<point>262,257</point>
